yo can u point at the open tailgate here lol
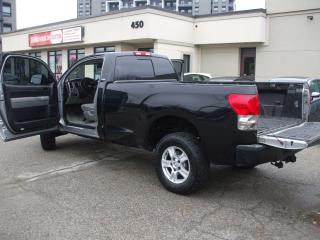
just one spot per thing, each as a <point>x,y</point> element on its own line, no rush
<point>295,138</point>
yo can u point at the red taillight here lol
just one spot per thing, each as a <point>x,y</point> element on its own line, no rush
<point>142,53</point>
<point>244,104</point>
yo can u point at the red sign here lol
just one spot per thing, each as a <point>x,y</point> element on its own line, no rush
<point>56,37</point>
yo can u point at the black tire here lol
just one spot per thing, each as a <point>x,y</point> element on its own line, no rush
<point>48,141</point>
<point>199,166</point>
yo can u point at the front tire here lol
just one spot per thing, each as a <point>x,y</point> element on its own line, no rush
<point>48,141</point>
<point>180,165</point>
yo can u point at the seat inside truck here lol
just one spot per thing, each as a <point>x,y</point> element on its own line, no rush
<point>81,93</point>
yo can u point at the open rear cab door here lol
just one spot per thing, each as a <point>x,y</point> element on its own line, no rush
<point>28,98</point>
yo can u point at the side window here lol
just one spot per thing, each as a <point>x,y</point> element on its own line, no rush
<point>26,71</point>
<point>133,68</point>
<point>90,69</point>
<point>164,69</point>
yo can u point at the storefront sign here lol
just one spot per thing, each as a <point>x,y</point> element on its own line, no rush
<point>56,37</point>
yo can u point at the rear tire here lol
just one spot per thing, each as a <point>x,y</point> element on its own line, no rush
<point>48,141</point>
<point>180,165</point>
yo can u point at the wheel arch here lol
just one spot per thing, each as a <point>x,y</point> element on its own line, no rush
<point>167,124</point>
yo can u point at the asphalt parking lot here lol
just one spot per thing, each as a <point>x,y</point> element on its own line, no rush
<point>92,190</point>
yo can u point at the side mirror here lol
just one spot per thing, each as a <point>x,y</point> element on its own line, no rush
<point>315,95</point>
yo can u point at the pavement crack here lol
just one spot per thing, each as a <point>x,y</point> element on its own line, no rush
<point>196,224</point>
<point>31,177</point>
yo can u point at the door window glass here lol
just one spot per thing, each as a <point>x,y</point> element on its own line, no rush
<point>90,69</point>
<point>134,68</point>
<point>26,71</point>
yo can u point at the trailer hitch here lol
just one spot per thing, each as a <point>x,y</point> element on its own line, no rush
<point>278,164</point>
<point>289,159</point>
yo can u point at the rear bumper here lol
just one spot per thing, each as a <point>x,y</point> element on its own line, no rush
<point>256,154</point>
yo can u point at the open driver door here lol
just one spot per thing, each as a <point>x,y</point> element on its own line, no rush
<point>28,98</point>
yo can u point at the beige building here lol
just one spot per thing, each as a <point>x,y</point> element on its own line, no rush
<point>283,40</point>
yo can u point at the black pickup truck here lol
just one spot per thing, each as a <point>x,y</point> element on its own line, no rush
<point>137,99</point>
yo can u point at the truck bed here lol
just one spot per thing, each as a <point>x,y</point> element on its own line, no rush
<point>281,106</point>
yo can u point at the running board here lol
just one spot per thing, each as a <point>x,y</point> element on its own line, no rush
<point>294,138</point>
<point>82,131</point>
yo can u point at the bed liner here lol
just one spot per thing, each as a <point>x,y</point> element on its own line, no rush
<point>275,124</point>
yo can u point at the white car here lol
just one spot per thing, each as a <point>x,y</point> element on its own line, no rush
<point>196,77</point>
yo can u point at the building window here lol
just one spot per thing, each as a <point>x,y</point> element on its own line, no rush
<point>104,49</point>
<point>186,63</point>
<point>75,55</point>
<point>248,62</point>
<point>6,9</point>
<point>7,27</point>
<point>55,63</point>
<point>146,49</point>
<point>35,54</point>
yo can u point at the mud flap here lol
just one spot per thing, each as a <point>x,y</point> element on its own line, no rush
<point>294,138</point>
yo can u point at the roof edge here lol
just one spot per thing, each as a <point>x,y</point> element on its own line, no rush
<point>259,10</point>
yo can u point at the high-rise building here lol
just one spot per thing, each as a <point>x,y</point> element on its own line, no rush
<point>91,7</point>
<point>204,7</point>
<point>8,19</point>
<point>192,7</point>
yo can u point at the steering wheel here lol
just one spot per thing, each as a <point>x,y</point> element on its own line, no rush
<point>72,88</point>
<point>88,85</point>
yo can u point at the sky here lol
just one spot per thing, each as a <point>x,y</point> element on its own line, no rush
<point>37,12</point>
